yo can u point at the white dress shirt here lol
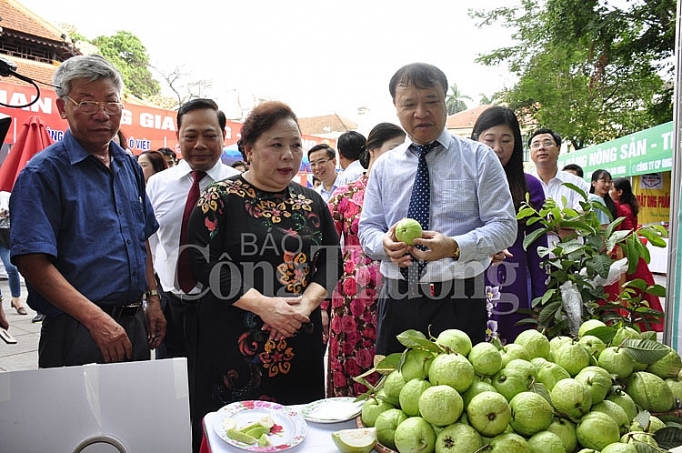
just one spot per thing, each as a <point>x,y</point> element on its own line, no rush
<point>555,189</point>
<point>167,192</point>
<point>470,202</point>
<point>352,173</point>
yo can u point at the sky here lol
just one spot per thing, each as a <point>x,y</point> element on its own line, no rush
<point>319,56</point>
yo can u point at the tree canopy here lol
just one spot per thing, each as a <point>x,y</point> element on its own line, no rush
<point>455,100</point>
<point>129,55</point>
<point>591,71</point>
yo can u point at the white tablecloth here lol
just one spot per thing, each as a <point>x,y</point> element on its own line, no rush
<point>318,439</point>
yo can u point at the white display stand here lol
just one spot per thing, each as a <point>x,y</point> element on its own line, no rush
<point>659,258</point>
<point>128,407</point>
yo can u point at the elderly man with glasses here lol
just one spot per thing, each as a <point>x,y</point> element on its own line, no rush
<point>322,160</point>
<point>80,224</point>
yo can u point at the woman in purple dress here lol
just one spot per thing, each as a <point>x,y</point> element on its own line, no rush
<point>515,282</point>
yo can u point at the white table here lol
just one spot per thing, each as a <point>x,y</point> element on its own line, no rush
<point>318,439</point>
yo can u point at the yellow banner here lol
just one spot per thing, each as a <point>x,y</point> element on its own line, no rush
<point>653,193</point>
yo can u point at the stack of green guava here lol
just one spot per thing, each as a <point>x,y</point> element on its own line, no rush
<point>593,393</point>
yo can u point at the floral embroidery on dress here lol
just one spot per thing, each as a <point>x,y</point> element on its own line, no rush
<point>293,272</point>
<point>276,357</point>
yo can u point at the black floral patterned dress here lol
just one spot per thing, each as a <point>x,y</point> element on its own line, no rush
<point>277,243</point>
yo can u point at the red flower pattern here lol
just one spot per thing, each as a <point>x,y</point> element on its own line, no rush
<point>352,327</point>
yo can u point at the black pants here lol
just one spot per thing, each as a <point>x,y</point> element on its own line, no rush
<point>181,325</point>
<point>430,309</point>
<point>66,342</point>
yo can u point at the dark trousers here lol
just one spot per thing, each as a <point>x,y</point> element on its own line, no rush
<point>181,325</point>
<point>430,309</point>
<point>66,342</point>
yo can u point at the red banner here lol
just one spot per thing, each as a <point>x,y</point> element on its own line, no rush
<point>146,128</point>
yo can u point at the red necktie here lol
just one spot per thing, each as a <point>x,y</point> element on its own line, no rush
<point>185,277</point>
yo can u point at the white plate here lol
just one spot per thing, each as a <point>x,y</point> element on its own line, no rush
<point>332,410</point>
<point>289,430</point>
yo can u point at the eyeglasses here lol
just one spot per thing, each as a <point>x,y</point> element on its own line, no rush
<point>545,143</point>
<point>319,162</point>
<point>91,107</point>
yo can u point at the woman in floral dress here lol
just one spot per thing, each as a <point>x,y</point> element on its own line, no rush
<point>353,313</point>
<point>266,251</point>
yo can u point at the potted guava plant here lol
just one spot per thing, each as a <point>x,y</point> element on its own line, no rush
<point>579,265</point>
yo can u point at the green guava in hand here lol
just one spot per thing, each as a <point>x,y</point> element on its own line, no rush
<point>407,230</point>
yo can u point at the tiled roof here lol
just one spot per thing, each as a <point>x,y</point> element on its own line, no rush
<point>327,124</point>
<point>465,119</point>
<point>15,17</point>
<point>36,70</point>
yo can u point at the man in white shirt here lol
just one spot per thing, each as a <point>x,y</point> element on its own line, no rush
<point>350,145</point>
<point>322,160</point>
<point>201,132</point>
<point>545,146</point>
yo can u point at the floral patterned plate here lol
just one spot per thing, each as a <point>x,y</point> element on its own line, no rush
<point>289,430</point>
<point>332,410</point>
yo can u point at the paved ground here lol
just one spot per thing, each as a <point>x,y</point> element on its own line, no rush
<point>24,354</point>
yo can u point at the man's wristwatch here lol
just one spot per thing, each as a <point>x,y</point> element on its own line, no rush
<point>150,293</point>
<point>455,253</point>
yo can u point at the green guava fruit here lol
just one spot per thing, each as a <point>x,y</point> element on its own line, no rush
<point>572,357</point>
<point>571,398</point>
<point>453,370</point>
<point>650,392</point>
<point>546,442</point>
<point>616,361</point>
<point>476,388</point>
<point>355,440</point>
<point>536,344</point>
<point>565,429</point>
<point>440,405</point>
<point>588,325</point>
<point>386,424</point>
<point>392,386</point>
<point>598,380</point>
<point>530,413</point>
<point>371,409</point>
<point>667,367</point>
<point>485,358</point>
<point>597,430</point>
<point>624,333</point>
<point>620,447</point>
<point>513,351</point>
<point>410,394</point>
<point>624,400</point>
<point>415,435</point>
<point>614,411</point>
<point>456,340</point>
<point>549,373</point>
<point>593,344</point>
<point>458,438</point>
<point>489,413</point>
<point>416,365</point>
<point>407,230</point>
<point>509,443</point>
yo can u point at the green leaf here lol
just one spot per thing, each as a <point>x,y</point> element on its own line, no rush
<point>548,313</point>
<point>532,237</point>
<point>649,335</point>
<point>415,339</point>
<point>653,237</point>
<point>604,333</point>
<point>645,351</point>
<point>389,363</point>
<point>668,438</point>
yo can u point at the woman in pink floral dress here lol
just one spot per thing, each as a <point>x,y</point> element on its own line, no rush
<point>353,312</point>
